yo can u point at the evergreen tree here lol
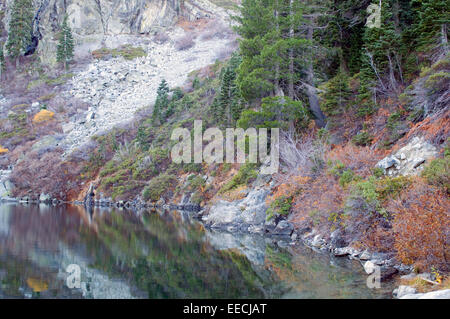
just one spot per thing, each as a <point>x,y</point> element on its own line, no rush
<point>2,62</point>
<point>279,51</point>
<point>143,137</point>
<point>336,94</point>
<point>383,54</point>
<point>162,102</point>
<point>66,45</point>
<point>228,105</point>
<point>20,28</point>
<point>433,20</point>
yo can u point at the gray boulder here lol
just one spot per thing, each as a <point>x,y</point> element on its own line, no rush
<point>248,214</point>
<point>284,228</point>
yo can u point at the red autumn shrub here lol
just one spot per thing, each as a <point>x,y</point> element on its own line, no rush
<point>422,226</point>
<point>360,160</point>
<point>319,198</point>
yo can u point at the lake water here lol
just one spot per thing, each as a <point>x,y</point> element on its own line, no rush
<point>123,254</point>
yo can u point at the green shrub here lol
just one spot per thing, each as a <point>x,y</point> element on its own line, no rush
<point>346,177</point>
<point>281,206</point>
<point>247,173</point>
<point>391,187</point>
<point>196,183</point>
<point>158,186</point>
<point>438,173</point>
<point>378,172</point>
<point>376,191</point>
<point>363,138</point>
<point>127,52</point>
<point>336,168</point>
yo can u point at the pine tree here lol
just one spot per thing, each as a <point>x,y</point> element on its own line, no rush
<point>336,94</point>
<point>20,28</point>
<point>228,105</point>
<point>278,50</point>
<point>162,102</point>
<point>65,45</point>
<point>2,62</point>
<point>433,21</point>
<point>383,55</point>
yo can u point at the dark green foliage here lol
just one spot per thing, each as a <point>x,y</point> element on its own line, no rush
<point>159,186</point>
<point>276,112</point>
<point>2,61</point>
<point>20,28</point>
<point>432,23</point>
<point>65,50</point>
<point>247,174</point>
<point>281,206</point>
<point>162,103</point>
<point>143,137</point>
<point>363,138</point>
<point>273,47</point>
<point>383,55</point>
<point>438,173</point>
<point>228,104</point>
<point>336,94</point>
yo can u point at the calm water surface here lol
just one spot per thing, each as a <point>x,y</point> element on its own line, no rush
<point>122,254</point>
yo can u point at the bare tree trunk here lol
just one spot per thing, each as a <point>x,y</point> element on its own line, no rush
<point>399,67</point>
<point>391,73</point>
<point>374,68</point>
<point>311,91</point>
<point>277,64</point>
<point>444,39</point>
<point>291,52</point>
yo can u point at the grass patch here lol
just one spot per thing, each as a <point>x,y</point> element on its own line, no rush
<point>247,174</point>
<point>159,186</point>
<point>127,52</point>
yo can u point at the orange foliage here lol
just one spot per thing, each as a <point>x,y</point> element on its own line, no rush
<point>3,150</point>
<point>359,159</point>
<point>322,195</point>
<point>422,226</point>
<point>288,189</point>
<point>435,128</point>
<point>43,116</point>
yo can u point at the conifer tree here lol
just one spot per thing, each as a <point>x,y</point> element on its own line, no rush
<point>20,28</point>
<point>2,62</point>
<point>65,50</point>
<point>162,102</point>
<point>278,50</point>
<point>336,94</point>
<point>433,21</point>
<point>383,54</point>
<point>228,105</point>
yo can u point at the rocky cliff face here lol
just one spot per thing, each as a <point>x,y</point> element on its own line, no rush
<point>92,21</point>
